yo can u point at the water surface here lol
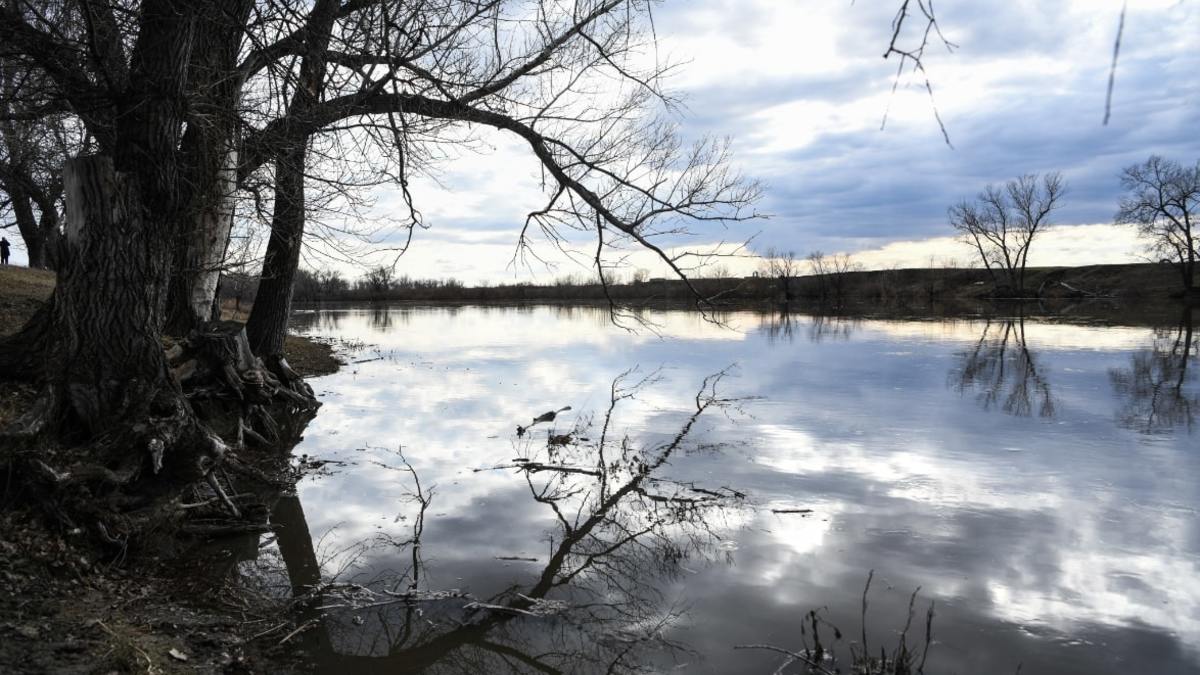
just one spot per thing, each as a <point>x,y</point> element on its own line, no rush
<point>1037,480</point>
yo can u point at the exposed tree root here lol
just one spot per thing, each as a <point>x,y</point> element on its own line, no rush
<point>160,469</point>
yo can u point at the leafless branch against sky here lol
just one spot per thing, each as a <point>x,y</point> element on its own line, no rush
<point>1112,71</point>
<point>914,55</point>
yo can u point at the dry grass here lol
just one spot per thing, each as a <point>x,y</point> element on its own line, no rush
<point>22,291</point>
<point>25,282</point>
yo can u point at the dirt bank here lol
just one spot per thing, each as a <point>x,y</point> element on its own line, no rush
<point>68,606</point>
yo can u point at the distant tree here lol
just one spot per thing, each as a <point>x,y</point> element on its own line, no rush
<point>779,263</point>
<point>306,287</point>
<point>839,267</point>
<point>1002,222</point>
<point>640,275</point>
<point>817,263</point>
<point>1162,199</point>
<point>330,284</point>
<point>378,281</point>
<point>33,145</point>
<point>818,266</point>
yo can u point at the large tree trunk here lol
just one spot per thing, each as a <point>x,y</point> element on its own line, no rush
<point>273,301</point>
<point>123,427</point>
<point>142,425</point>
<point>107,364</point>
<point>109,394</point>
<point>48,253</point>
<point>267,325</point>
<point>113,429</point>
<point>200,254</point>
<point>210,146</point>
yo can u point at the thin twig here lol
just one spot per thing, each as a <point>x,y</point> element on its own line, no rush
<point>1112,72</point>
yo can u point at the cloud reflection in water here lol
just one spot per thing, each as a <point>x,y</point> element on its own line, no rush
<point>1053,535</point>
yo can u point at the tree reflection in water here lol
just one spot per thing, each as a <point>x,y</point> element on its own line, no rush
<point>621,530</point>
<point>781,325</point>
<point>316,320</point>
<point>1001,369</point>
<point>381,317</point>
<point>1154,390</point>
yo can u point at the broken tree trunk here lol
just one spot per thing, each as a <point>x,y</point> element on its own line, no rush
<point>123,428</point>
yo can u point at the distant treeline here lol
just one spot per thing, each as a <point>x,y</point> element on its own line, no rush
<point>918,286</point>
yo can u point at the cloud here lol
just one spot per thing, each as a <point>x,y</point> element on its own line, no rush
<point>801,90</point>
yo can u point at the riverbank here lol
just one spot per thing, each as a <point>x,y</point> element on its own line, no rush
<point>67,606</point>
<point>1133,283</point>
<point>24,290</point>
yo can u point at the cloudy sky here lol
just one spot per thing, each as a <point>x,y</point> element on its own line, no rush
<point>801,89</point>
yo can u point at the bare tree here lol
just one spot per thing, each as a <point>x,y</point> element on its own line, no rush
<point>186,101</point>
<point>839,268</point>
<point>617,171</point>
<point>378,281</point>
<point>1162,200</point>
<point>818,266</point>
<point>33,146</point>
<point>779,263</point>
<point>1002,222</point>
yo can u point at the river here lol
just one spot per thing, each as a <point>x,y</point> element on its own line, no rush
<point>734,480</point>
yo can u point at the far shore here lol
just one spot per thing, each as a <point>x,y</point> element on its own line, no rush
<point>915,287</point>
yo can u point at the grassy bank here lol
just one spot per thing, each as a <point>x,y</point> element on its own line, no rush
<point>23,290</point>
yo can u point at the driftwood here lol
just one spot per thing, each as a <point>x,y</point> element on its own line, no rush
<point>535,467</point>
<point>1077,292</point>
<point>547,416</point>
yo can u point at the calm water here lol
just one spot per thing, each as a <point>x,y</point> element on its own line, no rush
<point>1038,481</point>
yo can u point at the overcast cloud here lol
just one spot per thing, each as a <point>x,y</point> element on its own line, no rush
<point>801,89</point>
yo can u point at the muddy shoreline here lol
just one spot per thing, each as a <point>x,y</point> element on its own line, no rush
<point>68,605</point>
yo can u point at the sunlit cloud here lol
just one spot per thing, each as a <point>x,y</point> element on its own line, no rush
<point>802,91</point>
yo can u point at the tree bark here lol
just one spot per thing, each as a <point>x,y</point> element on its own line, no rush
<point>273,301</point>
<point>122,428</point>
<point>267,325</point>
<point>201,251</point>
<point>107,363</point>
<point>109,394</point>
<point>210,148</point>
<point>23,354</point>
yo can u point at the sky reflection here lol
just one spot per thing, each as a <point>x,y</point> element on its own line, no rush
<point>1051,527</point>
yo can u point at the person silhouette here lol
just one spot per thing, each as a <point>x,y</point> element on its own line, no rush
<point>3,251</point>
